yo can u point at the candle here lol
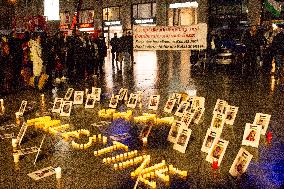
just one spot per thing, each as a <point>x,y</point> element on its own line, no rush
<point>17,115</point>
<point>115,166</point>
<point>42,98</point>
<point>144,141</point>
<point>86,92</point>
<point>58,172</point>
<point>183,173</point>
<point>14,142</point>
<point>16,157</point>
<point>95,153</point>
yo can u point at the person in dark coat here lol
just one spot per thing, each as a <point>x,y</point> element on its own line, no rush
<point>114,42</point>
<point>102,52</point>
<point>278,49</point>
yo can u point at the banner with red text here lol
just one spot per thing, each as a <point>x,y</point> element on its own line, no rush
<point>192,37</point>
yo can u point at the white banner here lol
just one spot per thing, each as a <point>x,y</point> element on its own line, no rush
<point>170,37</point>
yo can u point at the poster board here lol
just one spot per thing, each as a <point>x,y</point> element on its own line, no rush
<point>251,135</point>
<point>170,105</point>
<point>78,97</point>
<point>217,122</point>
<point>176,127</point>
<point>132,101</point>
<point>66,108</point>
<point>114,101</point>
<point>154,102</point>
<point>220,107</point>
<point>23,107</point>
<point>182,140</point>
<point>210,138</point>
<point>42,173</point>
<point>90,102</point>
<point>217,151</point>
<point>240,163</point>
<point>182,108</point>
<point>97,93</point>
<point>57,105</point>
<point>68,94</point>
<point>22,133</point>
<point>263,120</point>
<point>231,114</point>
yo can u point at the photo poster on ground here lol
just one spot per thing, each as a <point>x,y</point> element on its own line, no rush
<point>231,114</point>
<point>66,108</point>
<point>176,127</point>
<point>210,138</point>
<point>191,101</point>
<point>68,94</point>
<point>217,151</point>
<point>78,97</point>
<point>220,107</point>
<point>182,140</point>
<point>240,163</point>
<point>182,108</point>
<point>197,115</point>
<point>154,102</point>
<point>170,105</point>
<point>187,118</point>
<point>23,107</point>
<point>132,101</point>
<point>217,122</point>
<point>122,94</point>
<point>251,135</point>
<point>90,102</point>
<point>22,133</point>
<point>97,93</point>
<point>42,173</point>
<point>57,105</point>
<point>113,101</point>
<point>176,96</point>
<point>263,120</point>
<point>199,102</point>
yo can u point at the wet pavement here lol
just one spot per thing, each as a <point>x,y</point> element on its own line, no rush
<point>153,73</point>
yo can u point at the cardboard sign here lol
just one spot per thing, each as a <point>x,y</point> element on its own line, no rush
<point>22,133</point>
<point>209,139</point>
<point>122,94</point>
<point>113,101</point>
<point>78,97</point>
<point>68,94</point>
<point>187,118</point>
<point>45,172</point>
<point>263,120</point>
<point>66,108</point>
<point>154,102</point>
<point>231,114</point>
<point>97,93</point>
<point>132,100</point>
<point>217,151</point>
<point>220,107</point>
<point>217,122</point>
<point>90,102</point>
<point>177,126</point>
<point>182,108</point>
<point>170,105</point>
<point>23,107</point>
<point>240,163</point>
<point>197,115</point>
<point>182,140</point>
<point>57,105</point>
<point>251,135</point>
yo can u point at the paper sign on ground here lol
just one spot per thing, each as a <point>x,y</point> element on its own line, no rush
<point>22,133</point>
<point>57,105</point>
<point>176,96</point>
<point>68,94</point>
<point>263,120</point>
<point>90,102</point>
<point>231,114</point>
<point>97,93</point>
<point>187,118</point>
<point>78,97</point>
<point>154,102</point>
<point>182,108</point>
<point>23,107</point>
<point>198,113</point>
<point>199,102</point>
<point>220,107</point>
<point>170,105</point>
<point>251,135</point>
<point>66,108</point>
<point>122,94</point>
<point>177,126</point>
<point>217,122</point>
<point>113,101</point>
<point>45,172</point>
<point>182,140</point>
<point>240,163</point>
<point>132,100</point>
<point>210,138</point>
<point>26,151</point>
<point>217,151</point>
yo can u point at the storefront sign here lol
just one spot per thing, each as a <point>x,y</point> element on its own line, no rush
<point>86,25</point>
<point>193,4</point>
<point>170,37</point>
<point>112,23</point>
<point>144,21</point>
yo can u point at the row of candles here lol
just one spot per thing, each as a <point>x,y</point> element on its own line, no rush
<point>115,146</point>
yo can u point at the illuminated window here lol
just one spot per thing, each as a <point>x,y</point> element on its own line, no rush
<point>111,13</point>
<point>145,10</point>
<point>51,9</point>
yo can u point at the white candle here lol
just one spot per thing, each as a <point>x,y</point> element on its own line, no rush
<point>144,140</point>
<point>58,172</point>
<point>17,115</point>
<point>16,157</point>
<point>14,142</point>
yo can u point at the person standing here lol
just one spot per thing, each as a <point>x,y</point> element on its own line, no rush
<point>114,42</point>
<point>278,50</point>
<point>102,52</point>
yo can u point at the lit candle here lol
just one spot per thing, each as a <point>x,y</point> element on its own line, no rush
<point>42,98</point>
<point>58,172</point>
<point>120,165</point>
<point>86,92</point>
<point>16,157</point>
<point>144,141</point>
<point>115,166</point>
<point>183,173</point>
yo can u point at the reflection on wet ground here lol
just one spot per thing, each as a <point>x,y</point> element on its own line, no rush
<point>153,73</point>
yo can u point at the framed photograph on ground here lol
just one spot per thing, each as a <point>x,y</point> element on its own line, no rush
<point>154,102</point>
<point>187,118</point>
<point>217,122</point>
<point>23,107</point>
<point>122,94</point>
<point>78,97</point>
<point>97,93</point>
<point>57,105</point>
<point>220,107</point>
<point>240,163</point>
<point>66,108</point>
<point>132,101</point>
<point>182,140</point>
<point>209,139</point>
<point>113,101</point>
<point>199,102</point>
<point>251,135</point>
<point>217,151</point>
<point>175,129</point>
<point>68,94</point>
<point>263,120</point>
<point>231,113</point>
<point>90,102</point>
<point>198,113</point>
<point>170,105</point>
<point>182,108</point>
<point>37,175</point>
<point>145,131</point>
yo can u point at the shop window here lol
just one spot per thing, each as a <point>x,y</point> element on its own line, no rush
<point>86,16</point>
<point>146,10</point>
<point>111,13</point>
